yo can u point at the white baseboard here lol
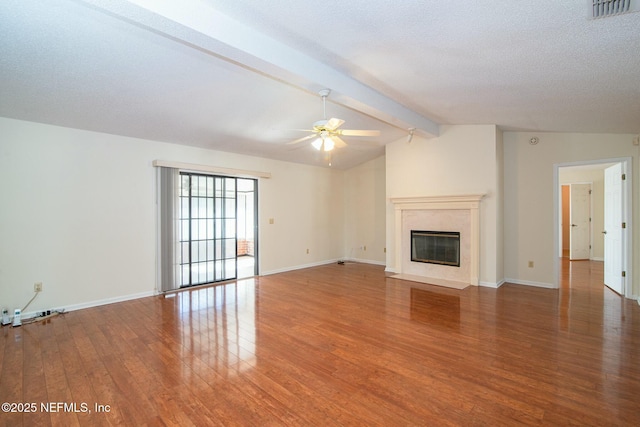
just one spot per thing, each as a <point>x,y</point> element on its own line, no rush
<point>319,263</point>
<point>491,284</point>
<point>95,303</point>
<point>597,259</point>
<point>365,261</point>
<point>298,267</point>
<point>529,283</point>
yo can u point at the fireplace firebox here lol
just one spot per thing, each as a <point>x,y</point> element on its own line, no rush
<point>436,247</point>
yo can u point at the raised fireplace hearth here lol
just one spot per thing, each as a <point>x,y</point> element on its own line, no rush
<point>436,247</point>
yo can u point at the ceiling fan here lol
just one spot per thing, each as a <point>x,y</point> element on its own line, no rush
<point>327,133</point>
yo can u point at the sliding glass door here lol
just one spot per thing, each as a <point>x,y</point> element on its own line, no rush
<point>209,227</point>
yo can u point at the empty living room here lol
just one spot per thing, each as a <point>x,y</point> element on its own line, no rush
<point>308,213</point>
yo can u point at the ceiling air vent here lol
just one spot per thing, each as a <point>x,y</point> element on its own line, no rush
<point>604,8</point>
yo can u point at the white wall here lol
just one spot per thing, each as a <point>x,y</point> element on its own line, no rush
<point>462,160</point>
<point>306,204</point>
<point>78,213</point>
<point>529,216</point>
<point>365,212</point>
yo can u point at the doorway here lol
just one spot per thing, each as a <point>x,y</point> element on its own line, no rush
<point>600,235</point>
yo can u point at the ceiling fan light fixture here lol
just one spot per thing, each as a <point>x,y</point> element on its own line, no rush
<point>329,144</point>
<point>323,144</point>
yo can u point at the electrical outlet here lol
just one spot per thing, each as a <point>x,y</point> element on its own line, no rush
<point>37,287</point>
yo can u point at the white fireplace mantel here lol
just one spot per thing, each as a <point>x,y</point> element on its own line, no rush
<point>469,202</point>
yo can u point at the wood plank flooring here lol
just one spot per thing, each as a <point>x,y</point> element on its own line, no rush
<point>335,345</point>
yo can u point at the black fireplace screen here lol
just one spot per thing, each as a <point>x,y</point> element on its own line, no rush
<point>436,247</point>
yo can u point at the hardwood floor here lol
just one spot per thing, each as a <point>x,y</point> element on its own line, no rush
<point>335,345</point>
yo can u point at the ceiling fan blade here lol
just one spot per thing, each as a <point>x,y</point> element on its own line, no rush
<point>358,132</point>
<point>304,138</point>
<point>339,143</point>
<point>333,123</point>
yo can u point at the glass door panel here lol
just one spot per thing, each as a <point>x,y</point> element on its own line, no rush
<point>208,229</point>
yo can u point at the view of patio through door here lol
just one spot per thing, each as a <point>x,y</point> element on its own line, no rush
<point>217,225</point>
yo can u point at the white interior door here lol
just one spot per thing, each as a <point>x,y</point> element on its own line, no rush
<point>580,231</point>
<point>613,227</point>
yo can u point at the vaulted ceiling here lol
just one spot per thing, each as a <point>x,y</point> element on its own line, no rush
<point>244,75</point>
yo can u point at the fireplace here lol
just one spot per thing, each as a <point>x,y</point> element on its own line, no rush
<point>436,247</point>
<point>457,212</point>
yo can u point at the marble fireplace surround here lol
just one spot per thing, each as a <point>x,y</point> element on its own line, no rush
<point>460,206</point>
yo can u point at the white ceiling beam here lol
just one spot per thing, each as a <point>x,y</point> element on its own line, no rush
<point>195,23</point>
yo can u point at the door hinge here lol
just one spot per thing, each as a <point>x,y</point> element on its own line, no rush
<point>624,225</point>
<point>590,192</point>
<point>624,274</point>
<point>624,176</point>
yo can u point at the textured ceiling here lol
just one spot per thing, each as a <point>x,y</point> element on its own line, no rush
<point>241,76</point>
